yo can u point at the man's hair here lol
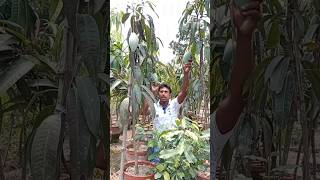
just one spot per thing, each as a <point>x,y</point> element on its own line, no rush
<point>163,85</point>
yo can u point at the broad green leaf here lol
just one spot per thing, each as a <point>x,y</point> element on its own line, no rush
<point>42,82</point>
<point>166,175</point>
<point>167,154</point>
<point>57,12</point>
<point>115,84</point>
<point>313,76</point>
<point>228,58</point>
<point>124,112</point>
<point>310,33</point>
<point>89,43</point>
<point>279,75</point>
<point>90,103</point>
<point>160,167</point>
<point>79,135</point>
<point>44,151</point>
<point>125,17</point>
<point>150,102</point>
<point>181,147</point>
<point>150,94</point>
<point>192,135</point>
<point>271,67</point>
<point>97,5</point>
<point>283,101</point>
<point>19,68</point>
<point>274,35</point>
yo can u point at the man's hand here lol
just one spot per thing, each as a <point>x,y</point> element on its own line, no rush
<point>187,68</point>
<point>247,17</point>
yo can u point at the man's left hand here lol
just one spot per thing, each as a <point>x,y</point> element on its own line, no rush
<point>187,67</point>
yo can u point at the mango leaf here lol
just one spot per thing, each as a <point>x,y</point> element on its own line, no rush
<point>79,135</point>
<point>181,147</point>
<point>274,35</point>
<point>57,12</point>
<point>310,33</point>
<point>160,167</point>
<point>167,154</point>
<point>124,112</point>
<point>97,5</point>
<point>115,84</point>
<point>227,60</point>
<point>267,135</point>
<point>313,76</point>
<point>89,43</point>
<point>19,68</point>
<point>44,151</point>
<point>125,17</point>
<point>150,94</point>
<point>279,75</point>
<point>283,101</point>
<point>151,106</point>
<point>166,175</point>
<point>22,14</point>
<point>42,82</point>
<point>192,135</point>
<point>90,103</point>
<point>271,67</point>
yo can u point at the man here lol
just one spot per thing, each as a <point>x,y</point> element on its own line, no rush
<point>226,117</point>
<point>167,109</point>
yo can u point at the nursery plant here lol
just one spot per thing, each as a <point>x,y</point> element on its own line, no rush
<point>183,150</point>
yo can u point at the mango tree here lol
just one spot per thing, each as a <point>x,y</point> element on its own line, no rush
<point>193,41</point>
<point>55,59</point>
<point>142,54</point>
<point>282,92</point>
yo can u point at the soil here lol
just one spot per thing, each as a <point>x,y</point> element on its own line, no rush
<point>204,173</point>
<point>142,148</point>
<point>143,170</point>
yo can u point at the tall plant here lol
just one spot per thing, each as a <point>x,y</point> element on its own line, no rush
<point>282,90</point>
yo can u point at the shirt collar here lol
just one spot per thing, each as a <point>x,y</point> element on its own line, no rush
<point>158,103</point>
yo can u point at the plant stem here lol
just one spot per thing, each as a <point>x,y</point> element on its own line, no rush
<point>313,151</point>
<point>298,158</point>
<point>124,139</point>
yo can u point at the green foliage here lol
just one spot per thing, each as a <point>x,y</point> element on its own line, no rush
<point>183,150</point>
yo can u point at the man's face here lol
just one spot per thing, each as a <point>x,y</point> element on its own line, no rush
<point>164,94</point>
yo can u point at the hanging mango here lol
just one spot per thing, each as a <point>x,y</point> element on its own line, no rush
<point>133,41</point>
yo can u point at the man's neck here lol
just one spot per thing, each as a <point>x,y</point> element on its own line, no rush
<point>164,104</point>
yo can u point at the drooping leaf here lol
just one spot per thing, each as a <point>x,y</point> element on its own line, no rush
<point>97,5</point>
<point>166,154</point>
<point>151,106</point>
<point>124,112</point>
<point>125,17</point>
<point>283,101</point>
<point>271,67</point>
<point>89,43</point>
<point>274,35</point>
<point>42,82</point>
<point>18,69</point>
<point>228,59</point>
<point>44,152</point>
<point>79,137</point>
<point>279,75</point>
<point>90,103</point>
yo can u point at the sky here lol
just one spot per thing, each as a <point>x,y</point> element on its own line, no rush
<point>166,26</point>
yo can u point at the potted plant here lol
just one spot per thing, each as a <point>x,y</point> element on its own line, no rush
<point>141,138</point>
<point>182,151</point>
